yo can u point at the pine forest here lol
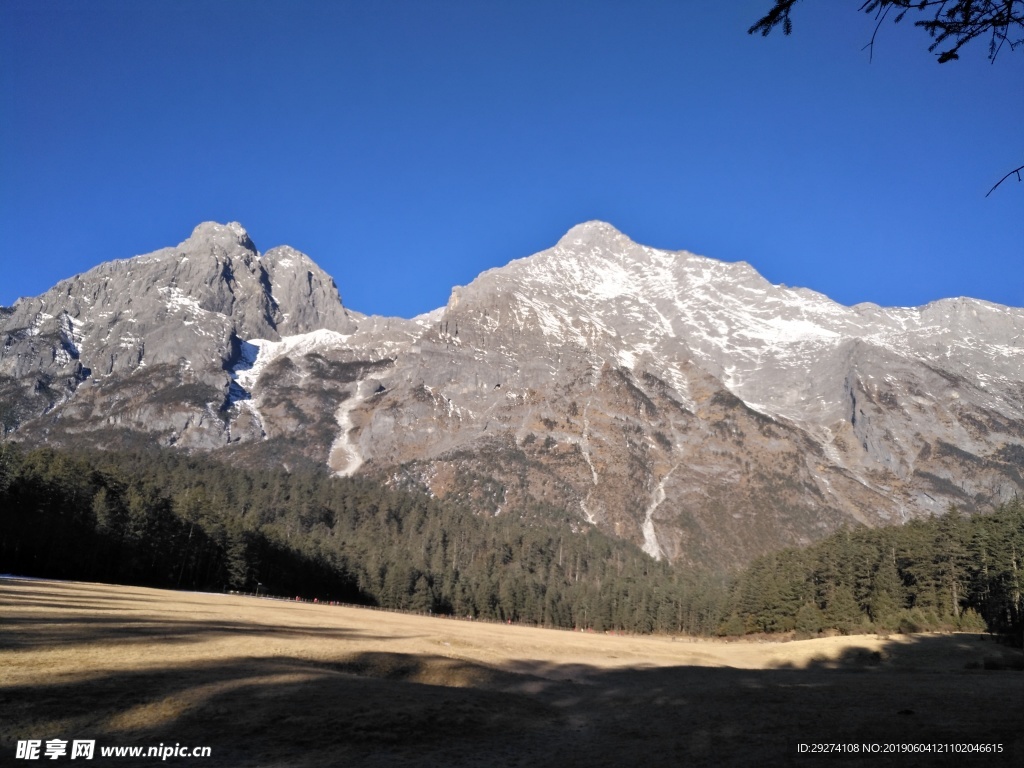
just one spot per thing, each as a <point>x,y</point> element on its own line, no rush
<point>167,519</point>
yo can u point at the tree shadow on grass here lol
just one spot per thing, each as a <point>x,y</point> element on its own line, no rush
<point>374,708</point>
<point>385,709</point>
<point>92,618</point>
<point>924,652</point>
<point>25,633</point>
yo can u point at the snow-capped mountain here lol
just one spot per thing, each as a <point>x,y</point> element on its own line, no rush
<point>672,399</point>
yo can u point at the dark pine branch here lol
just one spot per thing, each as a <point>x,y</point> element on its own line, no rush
<point>1016,171</point>
<point>953,22</point>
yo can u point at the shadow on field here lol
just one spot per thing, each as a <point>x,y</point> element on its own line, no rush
<point>97,619</point>
<point>46,632</point>
<point>390,709</point>
<point>934,652</point>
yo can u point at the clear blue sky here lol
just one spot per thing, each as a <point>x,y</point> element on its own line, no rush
<point>406,146</point>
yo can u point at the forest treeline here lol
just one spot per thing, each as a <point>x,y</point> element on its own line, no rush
<point>945,573</point>
<point>170,519</point>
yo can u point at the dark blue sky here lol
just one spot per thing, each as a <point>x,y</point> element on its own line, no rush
<point>406,146</point>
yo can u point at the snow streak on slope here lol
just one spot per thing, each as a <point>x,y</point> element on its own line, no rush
<point>585,450</point>
<point>345,457</point>
<point>651,545</point>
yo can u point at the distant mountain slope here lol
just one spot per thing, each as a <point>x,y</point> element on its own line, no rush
<point>674,400</point>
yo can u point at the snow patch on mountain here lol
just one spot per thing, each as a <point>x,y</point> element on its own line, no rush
<point>174,299</point>
<point>257,354</point>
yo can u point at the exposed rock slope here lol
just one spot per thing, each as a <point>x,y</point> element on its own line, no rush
<point>147,343</point>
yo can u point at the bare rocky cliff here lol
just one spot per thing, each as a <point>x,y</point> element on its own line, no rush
<point>147,343</point>
<point>680,402</point>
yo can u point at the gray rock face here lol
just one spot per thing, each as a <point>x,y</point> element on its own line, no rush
<point>173,318</point>
<point>681,402</point>
<point>691,406</point>
<point>307,293</point>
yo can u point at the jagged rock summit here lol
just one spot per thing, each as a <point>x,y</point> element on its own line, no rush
<point>170,322</point>
<point>681,402</point>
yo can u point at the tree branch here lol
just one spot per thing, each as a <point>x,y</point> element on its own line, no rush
<point>1016,170</point>
<point>953,22</point>
<point>882,13</point>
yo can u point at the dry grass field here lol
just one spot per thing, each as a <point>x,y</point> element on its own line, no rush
<point>270,683</point>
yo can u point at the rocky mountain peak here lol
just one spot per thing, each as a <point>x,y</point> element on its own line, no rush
<point>211,233</point>
<point>592,245</point>
<point>170,322</point>
<point>306,295</point>
<point>591,233</point>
